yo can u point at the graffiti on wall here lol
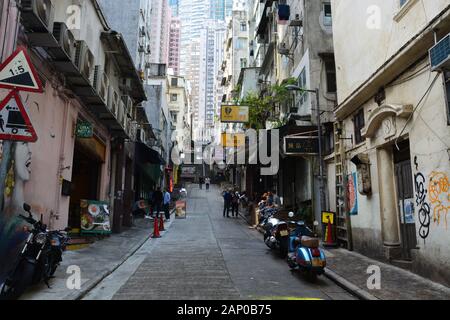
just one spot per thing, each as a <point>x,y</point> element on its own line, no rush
<point>439,196</point>
<point>422,205</point>
<point>352,192</point>
<point>18,174</point>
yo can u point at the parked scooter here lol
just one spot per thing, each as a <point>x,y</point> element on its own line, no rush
<point>304,251</point>
<point>38,260</point>
<point>276,236</point>
<point>265,215</point>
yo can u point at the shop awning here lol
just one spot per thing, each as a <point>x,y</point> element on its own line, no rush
<point>146,155</point>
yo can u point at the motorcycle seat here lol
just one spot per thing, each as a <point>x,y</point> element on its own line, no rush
<point>309,242</point>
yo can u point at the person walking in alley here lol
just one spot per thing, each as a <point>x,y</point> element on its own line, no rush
<point>207,182</point>
<point>235,204</point>
<point>157,201</point>
<point>201,180</point>
<point>227,198</point>
<point>167,199</point>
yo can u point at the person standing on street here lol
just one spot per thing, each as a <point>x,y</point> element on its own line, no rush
<point>200,182</point>
<point>207,182</point>
<point>235,204</point>
<point>157,201</point>
<point>167,199</point>
<point>227,198</point>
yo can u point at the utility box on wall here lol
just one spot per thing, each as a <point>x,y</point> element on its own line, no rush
<point>362,163</point>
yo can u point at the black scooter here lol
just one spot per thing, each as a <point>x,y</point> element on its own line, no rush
<point>38,260</point>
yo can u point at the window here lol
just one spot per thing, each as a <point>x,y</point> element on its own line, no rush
<point>173,97</point>
<point>447,91</point>
<point>402,2</point>
<point>243,63</point>
<point>174,82</point>
<point>327,18</point>
<point>359,123</point>
<point>243,26</point>
<point>330,68</point>
<point>302,84</point>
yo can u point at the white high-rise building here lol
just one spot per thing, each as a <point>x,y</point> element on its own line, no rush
<point>159,30</point>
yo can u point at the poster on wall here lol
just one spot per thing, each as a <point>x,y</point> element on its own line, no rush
<point>352,194</point>
<point>180,209</point>
<point>407,211</point>
<point>95,217</point>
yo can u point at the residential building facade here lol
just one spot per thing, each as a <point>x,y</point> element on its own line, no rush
<point>393,112</point>
<point>83,85</point>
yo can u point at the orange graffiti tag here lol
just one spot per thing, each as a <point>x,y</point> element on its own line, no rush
<point>439,196</point>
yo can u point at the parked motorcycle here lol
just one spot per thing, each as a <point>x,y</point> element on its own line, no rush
<point>276,236</point>
<point>304,251</point>
<point>265,214</point>
<point>38,260</point>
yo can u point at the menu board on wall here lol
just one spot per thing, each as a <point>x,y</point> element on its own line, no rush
<point>95,217</point>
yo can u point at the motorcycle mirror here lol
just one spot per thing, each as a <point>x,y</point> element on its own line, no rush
<point>291,214</point>
<point>26,207</point>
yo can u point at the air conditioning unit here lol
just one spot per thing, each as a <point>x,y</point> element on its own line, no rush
<point>37,15</point>
<point>125,84</point>
<point>101,83</point>
<point>440,55</point>
<point>121,113</point>
<point>113,102</point>
<point>128,105</point>
<point>66,41</point>
<point>142,136</point>
<point>84,60</point>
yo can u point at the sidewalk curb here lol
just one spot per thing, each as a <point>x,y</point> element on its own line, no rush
<point>82,293</point>
<point>343,283</point>
<point>348,286</point>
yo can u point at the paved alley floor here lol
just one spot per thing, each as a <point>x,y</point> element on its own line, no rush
<point>209,257</point>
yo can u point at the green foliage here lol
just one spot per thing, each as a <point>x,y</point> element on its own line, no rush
<point>263,107</point>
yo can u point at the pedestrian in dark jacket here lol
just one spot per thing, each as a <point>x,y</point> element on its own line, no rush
<point>235,204</point>
<point>157,201</point>
<point>227,198</point>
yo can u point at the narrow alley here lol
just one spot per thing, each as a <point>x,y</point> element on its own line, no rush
<point>208,257</point>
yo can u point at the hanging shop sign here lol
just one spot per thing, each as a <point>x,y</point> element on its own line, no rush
<point>84,130</point>
<point>17,73</point>
<point>301,146</point>
<point>95,217</point>
<point>235,114</point>
<point>233,140</point>
<point>15,124</point>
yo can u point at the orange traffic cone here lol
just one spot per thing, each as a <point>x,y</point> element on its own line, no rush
<point>156,230</point>
<point>329,234</point>
<point>161,224</point>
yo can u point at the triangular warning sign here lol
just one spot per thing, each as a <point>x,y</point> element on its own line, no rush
<point>14,121</point>
<point>18,73</point>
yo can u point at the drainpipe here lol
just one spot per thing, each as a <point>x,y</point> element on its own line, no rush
<point>62,158</point>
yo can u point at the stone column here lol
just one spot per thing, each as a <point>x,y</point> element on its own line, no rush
<point>388,205</point>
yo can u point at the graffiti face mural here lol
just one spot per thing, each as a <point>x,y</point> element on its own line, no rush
<point>11,226</point>
<point>439,196</point>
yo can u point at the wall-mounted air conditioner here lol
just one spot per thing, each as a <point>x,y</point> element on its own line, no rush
<point>440,55</point>
<point>113,102</point>
<point>37,15</point>
<point>101,83</point>
<point>84,60</point>
<point>128,105</point>
<point>66,43</point>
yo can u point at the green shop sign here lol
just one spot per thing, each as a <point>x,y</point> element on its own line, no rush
<point>84,130</point>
